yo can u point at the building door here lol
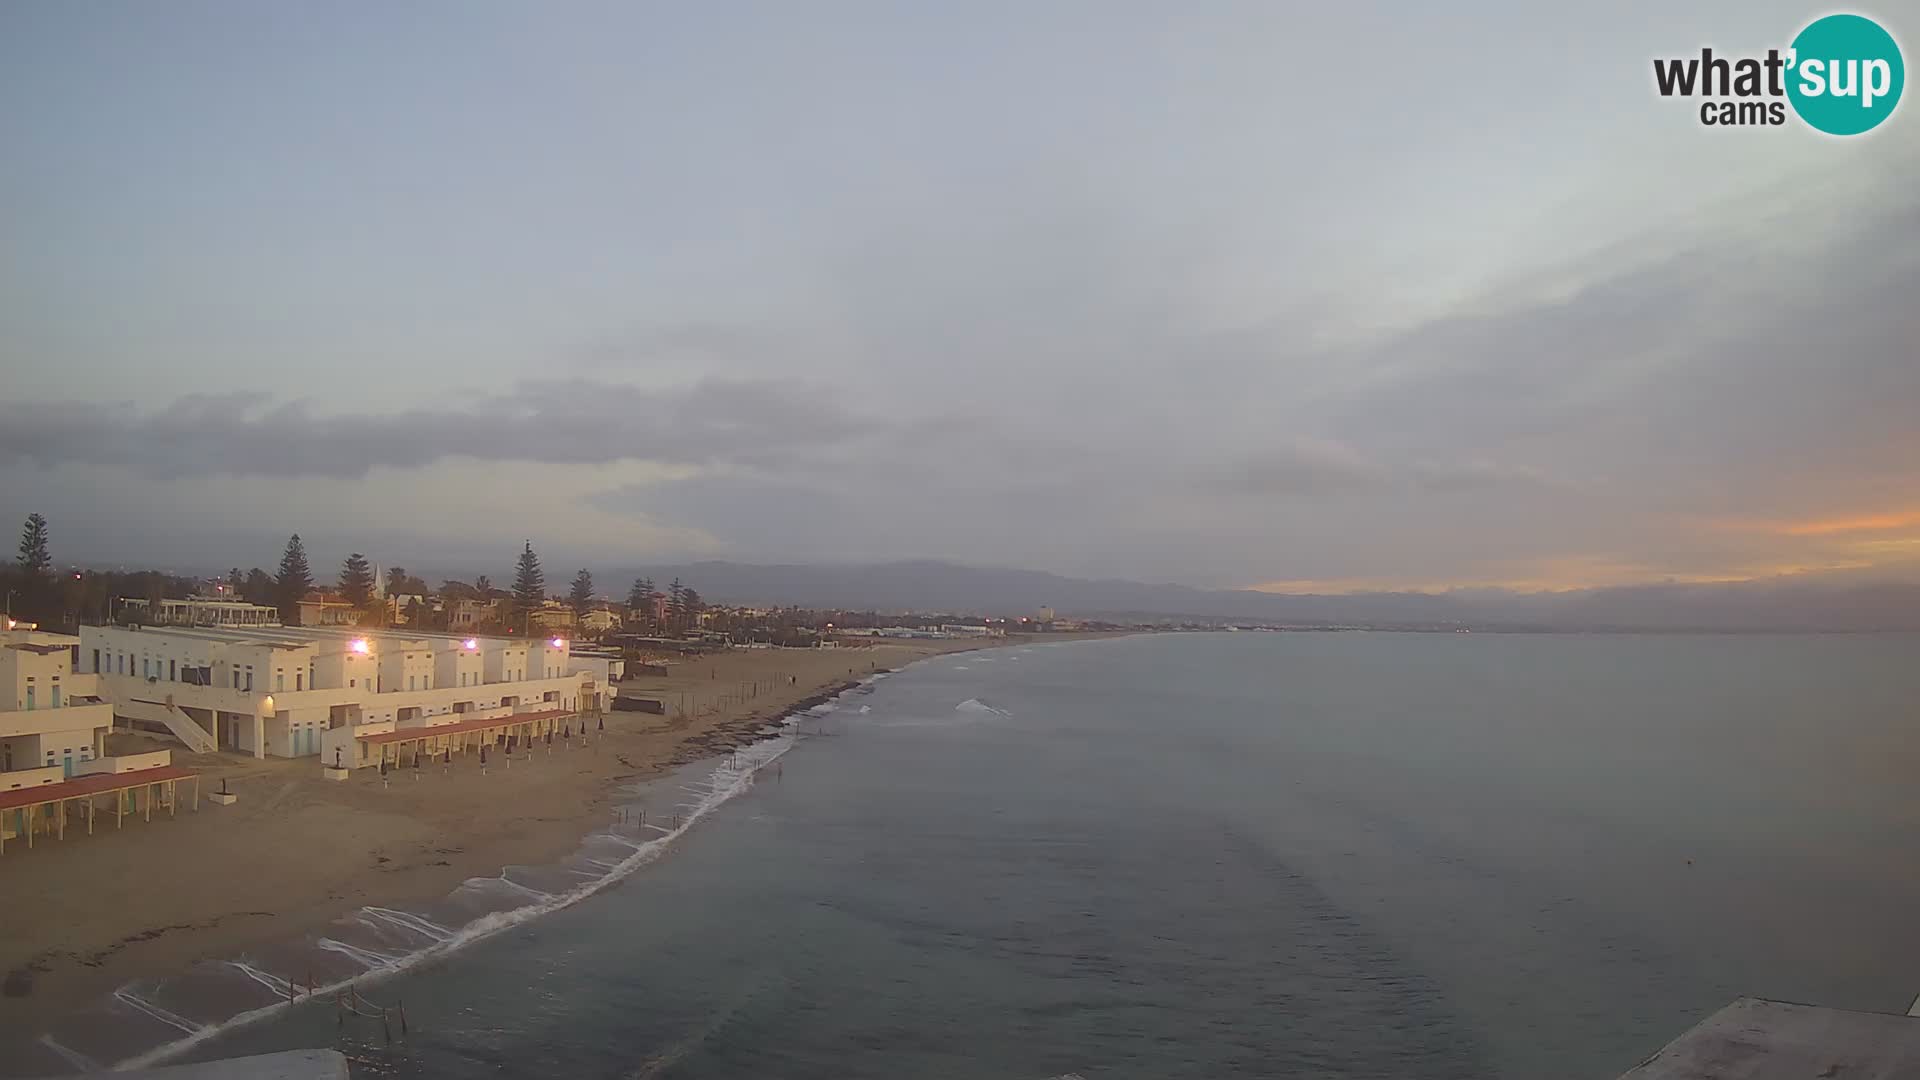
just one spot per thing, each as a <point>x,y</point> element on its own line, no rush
<point>29,697</point>
<point>66,765</point>
<point>56,697</point>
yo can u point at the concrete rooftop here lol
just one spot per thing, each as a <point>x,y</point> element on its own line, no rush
<point>1755,1039</point>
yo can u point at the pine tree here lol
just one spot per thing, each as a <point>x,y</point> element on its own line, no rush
<point>258,588</point>
<point>691,606</point>
<point>235,582</point>
<point>529,584</point>
<point>356,580</point>
<point>35,557</point>
<point>641,595</point>
<point>294,582</point>
<point>676,604</point>
<point>582,592</point>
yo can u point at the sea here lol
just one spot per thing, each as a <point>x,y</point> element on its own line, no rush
<point>1339,854</point>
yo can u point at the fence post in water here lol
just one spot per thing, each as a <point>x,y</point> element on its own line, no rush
<point>289,989</point>
<point>339,1014</point>
<point>403,1018</point>
<point>386,1025</point>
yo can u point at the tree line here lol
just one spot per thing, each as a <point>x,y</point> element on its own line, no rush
<point>36,593</point>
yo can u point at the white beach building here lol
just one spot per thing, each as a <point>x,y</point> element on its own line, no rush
<point>51,722</point>
<point>301,691</point>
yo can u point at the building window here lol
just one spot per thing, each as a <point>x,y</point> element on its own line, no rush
<point>173,671</point>
<point>249,680</point>
<point>279,681</point>
<point>296,680</point>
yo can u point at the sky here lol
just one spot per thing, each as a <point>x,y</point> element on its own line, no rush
<point>1300,297</point>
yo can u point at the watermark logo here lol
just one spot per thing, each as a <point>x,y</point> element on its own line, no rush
<point>1842,75</point>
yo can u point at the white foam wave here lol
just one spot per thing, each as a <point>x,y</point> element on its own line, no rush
<point>975,705</point>
<point>71,1056</point>
<point>517,887</point>
<point>170,1019</point>
<point>728,779</point>
<point>405,920</point>
<point>274,983</point>
<point>369,959</point>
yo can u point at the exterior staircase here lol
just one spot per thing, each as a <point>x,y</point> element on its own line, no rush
<point>183,727</point>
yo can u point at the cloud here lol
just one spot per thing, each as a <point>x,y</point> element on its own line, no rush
<point>994,389</point>
<point>573,421</point>
<point>1305,466</point>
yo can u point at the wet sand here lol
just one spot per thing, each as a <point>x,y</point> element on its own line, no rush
<point>87,914</point>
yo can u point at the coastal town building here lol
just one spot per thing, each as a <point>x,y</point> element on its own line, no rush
<point>52,723</point>
<point>552,616</point>
<point>305,691</point>
<point>403,607</point>
<point>972,630</point>
<point>198,611</point>
<point>654,610</point>
<point>914,632</point>
<point>324,611</point>
<point>472,614</point>
<point>53,732</point>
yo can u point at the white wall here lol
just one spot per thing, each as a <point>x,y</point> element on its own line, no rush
<point>121,763</point>
<point>458,667</point>
<point>51,748</point>
<point>297,721</point>
<point>24,668</point>
<point>505,662</point>
<point>20,778</point>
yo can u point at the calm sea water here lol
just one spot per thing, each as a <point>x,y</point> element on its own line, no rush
<point>1298,855</point>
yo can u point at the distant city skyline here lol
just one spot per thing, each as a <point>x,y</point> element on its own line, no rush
<point>1109,290</point>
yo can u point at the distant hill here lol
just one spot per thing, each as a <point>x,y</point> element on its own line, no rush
<point>942,586</point>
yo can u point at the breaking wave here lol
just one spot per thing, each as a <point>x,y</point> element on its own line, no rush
<point>148,1021</point>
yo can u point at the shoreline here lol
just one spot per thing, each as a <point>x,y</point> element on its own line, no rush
<point>95,913</point>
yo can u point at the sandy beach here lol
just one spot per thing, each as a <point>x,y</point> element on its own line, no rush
<point>89,913</point>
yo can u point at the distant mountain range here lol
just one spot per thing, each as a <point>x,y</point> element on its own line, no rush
<point>949,587</point>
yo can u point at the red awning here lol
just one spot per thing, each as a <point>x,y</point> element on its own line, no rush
<point>412,733</point>
<point>97,784</point>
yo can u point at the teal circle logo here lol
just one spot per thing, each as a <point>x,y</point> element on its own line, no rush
<point>1845,75</point>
